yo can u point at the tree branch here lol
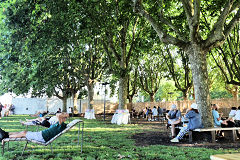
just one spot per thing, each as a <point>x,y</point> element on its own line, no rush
<point>164,37</point>
<point>187,5</point>
<point>218,34</point>
<point>111,46</point>
<point>232,24</point>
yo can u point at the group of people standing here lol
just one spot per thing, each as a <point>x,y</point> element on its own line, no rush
<point>6,110</point>
<point>152,114</point>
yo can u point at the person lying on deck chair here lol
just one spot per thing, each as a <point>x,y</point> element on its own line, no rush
<point>43,121</point>
<point>45,135</point>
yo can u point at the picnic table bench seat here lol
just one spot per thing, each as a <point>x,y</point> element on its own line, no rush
<point>213,132</point>
<point>69,126</point>
<point>233,156</point>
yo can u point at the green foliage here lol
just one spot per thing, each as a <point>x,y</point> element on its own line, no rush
<point>167,91</point>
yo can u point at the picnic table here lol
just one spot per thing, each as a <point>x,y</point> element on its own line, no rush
<point>235,156</point>
<point>213,132</point>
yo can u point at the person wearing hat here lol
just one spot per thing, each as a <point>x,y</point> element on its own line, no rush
<point>174,118</point>
<point>194,122</point>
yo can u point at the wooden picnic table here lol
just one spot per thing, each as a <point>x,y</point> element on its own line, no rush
<point>235,156</point>
<point>213,130</point>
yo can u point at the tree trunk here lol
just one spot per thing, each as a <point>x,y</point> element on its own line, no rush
<point>185,100</point>
<point>151,97</point>
<point>64,100</point>
<point>200,80</point>
<point>185,95</point>
<point>130,98</point>
<point>90,87</point>
<point>75,98</point>
<point>235,94</point>
<point>122,92</point>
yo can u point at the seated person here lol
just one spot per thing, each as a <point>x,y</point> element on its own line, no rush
<point>39,114</point>
<point>217,117</point>
<point>231,116</point>
<point>194,119</point>
<point>232,112</point>
<point>149,114</point>
<point>45,135</point>
<point>236,118</point>
<point>174,118</point>
<point>160,111</point>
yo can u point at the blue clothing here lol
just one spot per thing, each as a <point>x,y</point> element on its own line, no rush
<point>182,132</point>
<point>195,120</point>
<point>160,111</point>
<point>171,116</point>
<point>215,118</point>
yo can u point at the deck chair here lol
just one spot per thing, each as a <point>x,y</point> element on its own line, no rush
<point>69,126</point>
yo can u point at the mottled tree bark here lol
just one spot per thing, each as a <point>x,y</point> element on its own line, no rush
<point>64,100</point>
<point>75,98</point>
<point>90,86</point>
<point>194,44</point>
<point>200,81</point>
<point>152,98</point>
<point>122,92</point>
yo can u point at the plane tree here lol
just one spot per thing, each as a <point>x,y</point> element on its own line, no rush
<point>183,24</point>
<point>179,69</point>
<point>42,44</point>
<point>152,69</point>
<point>120,38</point>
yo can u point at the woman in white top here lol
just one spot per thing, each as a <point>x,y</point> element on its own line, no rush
<point>154,113</point>
<point>237,117</point>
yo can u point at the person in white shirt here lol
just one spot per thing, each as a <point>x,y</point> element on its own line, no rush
<point>237,117</point>
<point>232,112</point>
<point>154,113</point>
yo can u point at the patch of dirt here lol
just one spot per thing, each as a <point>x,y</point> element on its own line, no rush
<point>156,134</point>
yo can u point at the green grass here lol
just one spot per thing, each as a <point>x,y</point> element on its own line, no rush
<point>101,141</point>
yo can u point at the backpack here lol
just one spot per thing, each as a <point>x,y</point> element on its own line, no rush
<point>173,116</point>
<point>45,123</point>
<point>3,134</point>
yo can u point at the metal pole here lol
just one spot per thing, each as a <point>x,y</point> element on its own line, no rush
<point>104,103</point>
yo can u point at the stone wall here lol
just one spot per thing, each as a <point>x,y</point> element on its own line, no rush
<point>99,107</point>
<point>32,105</point>
<point>224,105</point>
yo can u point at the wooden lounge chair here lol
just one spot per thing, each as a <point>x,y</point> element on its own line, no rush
<point>69,126</point>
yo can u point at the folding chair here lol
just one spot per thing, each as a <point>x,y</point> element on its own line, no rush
<point>69,126</point>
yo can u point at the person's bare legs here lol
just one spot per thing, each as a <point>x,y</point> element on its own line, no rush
<point>173,130</point>
<point>17,134</point>
<point>173,124</point>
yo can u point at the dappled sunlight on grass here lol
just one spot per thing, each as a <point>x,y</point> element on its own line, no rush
<point>101,141</point>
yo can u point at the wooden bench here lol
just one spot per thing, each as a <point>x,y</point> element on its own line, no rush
<point>213,132</point>
<point>234,156</point>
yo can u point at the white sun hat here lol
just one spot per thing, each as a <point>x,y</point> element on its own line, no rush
<point>194,106</point>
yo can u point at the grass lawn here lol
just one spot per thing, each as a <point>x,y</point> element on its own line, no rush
<point>102,140</point>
